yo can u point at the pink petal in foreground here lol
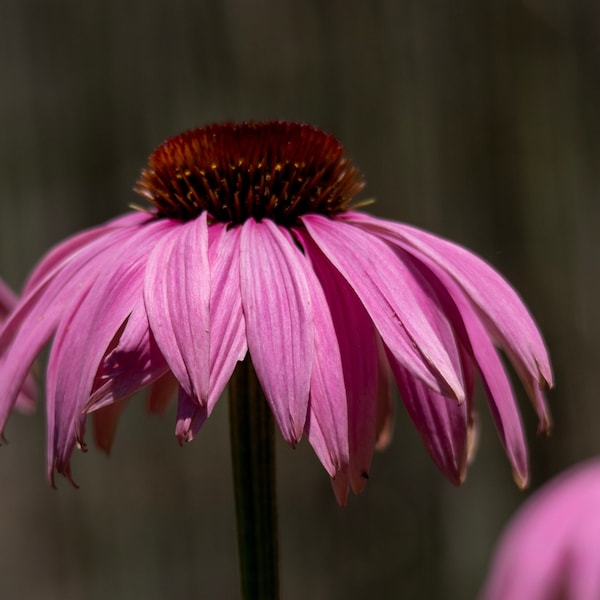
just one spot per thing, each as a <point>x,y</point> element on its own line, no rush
<point>476,341</point>
<point>279,321</point>
<point>38,313</point>
<point>227,328</point>
<point>132,362</point>
<point>385,287</point>
<point>327,423</point>
<point>227,322</point>
<point>501,399</point>
<point>190,417</point>
<point>69,250</point>
<point>177,294</point>
<point>68,390</point>
<point>505,311</point>
<point>358,351</point>
<point>441,422</point>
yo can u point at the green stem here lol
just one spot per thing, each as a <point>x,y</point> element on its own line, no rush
<point>253,460</point>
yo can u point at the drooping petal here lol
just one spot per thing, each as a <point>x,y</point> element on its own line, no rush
<point>341,487</point>
<point>44,303</point>
<point>63,416</point>
<point>69,249</point>
<point>119,286</point>
<point>279,322</point>
<point>327,422</point>
<point>177,295</point>
<point>358,351</point>
<point>36,316</point>
<point>190,417</point>
<point>505,312</point>
<point>476,341</point>
<point>499,393</point>
<point>541,406</point>
<point>132,361</point>
<point>441,422</point>
<point>387,290</point>
<point>227,322</point>
<point>227,328</point>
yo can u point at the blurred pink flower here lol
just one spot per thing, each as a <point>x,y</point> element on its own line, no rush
<point>551,548</point>
<point>251,245</point>
<point>26,399</point>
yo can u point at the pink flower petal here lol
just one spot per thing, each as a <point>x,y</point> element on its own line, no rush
<point>69,249</point>
<point>327,422</point>
<point>358,352</point>
<point>499,393</point>
<point>227,322</point>
<point>227,327</point>
<point>190,417</point>
<point>38,313</point>
<point>177,294</point>
<point>476,341</point>
<point>441,422</point>
<point>341,486</point>
<point>387,290</point>
<point>551,548</point>
<point>505,312</point>
<point>68,390</point>
<point>279,322</point>
<point>132,362</point>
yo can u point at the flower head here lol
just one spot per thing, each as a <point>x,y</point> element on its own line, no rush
<point>551,549</point>
<point>251,245</point>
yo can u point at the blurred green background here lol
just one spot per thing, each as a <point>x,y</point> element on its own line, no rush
<point>475,119</point>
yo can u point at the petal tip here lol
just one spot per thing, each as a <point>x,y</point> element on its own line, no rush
<point>521,479</point>
<point>545,427</point>
<point>184,436</point>
<point>358,481</point>
<point>341,487</point>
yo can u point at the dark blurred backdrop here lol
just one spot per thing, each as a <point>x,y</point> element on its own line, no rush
<point>476,119</point>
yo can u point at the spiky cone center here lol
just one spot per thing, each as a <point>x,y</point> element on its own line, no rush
<point>276,170</point>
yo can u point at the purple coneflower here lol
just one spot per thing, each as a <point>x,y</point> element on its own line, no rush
<point>551,549</point>
<point>251,245</point>
<point>25,401</point>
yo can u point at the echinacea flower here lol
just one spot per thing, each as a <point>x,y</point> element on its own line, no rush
<point>251,244</point>
<point>26,400</point>
<point>551,548</point>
